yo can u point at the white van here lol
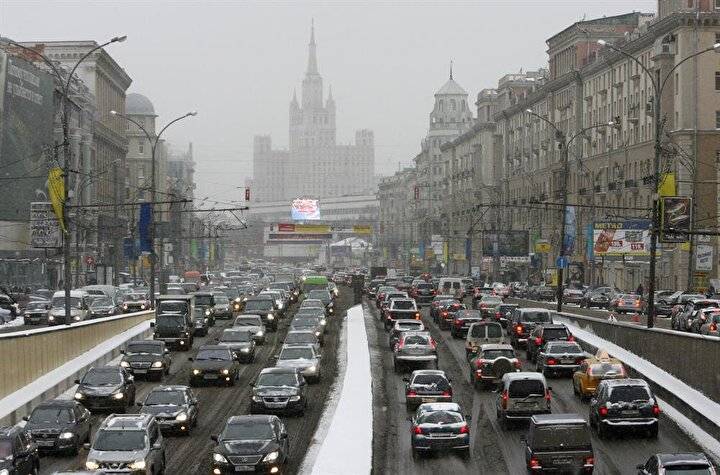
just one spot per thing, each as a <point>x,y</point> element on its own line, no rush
<point>79,307</point>
<point>451,286</point>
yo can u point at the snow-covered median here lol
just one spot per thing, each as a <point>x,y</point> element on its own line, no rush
<point>348,410</point>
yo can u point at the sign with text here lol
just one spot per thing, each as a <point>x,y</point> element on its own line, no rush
<point>509,244</point>
<point>44,226</point>
<point>305,209</point>
<point>703,257</point>
<point>619,238</point>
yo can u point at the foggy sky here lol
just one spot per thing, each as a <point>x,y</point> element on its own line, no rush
<point>237,63</point>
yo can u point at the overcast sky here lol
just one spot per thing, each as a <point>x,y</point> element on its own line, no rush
<point>237,62</point>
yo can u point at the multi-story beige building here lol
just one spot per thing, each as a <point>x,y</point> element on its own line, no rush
<point>506,170</point>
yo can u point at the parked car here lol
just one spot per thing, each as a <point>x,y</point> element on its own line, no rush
<point>427,385</point>
<point>251,443</point>
<point>521,396</point>
<point>59,425</point>
<point>415,348</point>
<point>690,463</point>
<point>624,303</point>
<point>146,358</point>
<point>440,426</point>
<point>624,404</point>
<point>36,312</point>
<point>491,362</point>
<point>559,357</point>
<point>175,408</point>
<point>542,335</point>
<point>559,443</point>
<point>279,390</point>
<point>106,388</point>
<point>19,453</point>
<point>599,297</point>
<point>130,440</point>
<point>214,364</point>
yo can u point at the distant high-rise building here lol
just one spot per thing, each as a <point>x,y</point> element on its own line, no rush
<point>314,164</point>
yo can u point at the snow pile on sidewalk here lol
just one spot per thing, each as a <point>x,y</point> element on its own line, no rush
<point>347,443</point>
<point>709,408</point>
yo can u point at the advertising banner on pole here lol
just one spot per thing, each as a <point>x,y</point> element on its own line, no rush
<point>44,226</point>
<point>703,257</point>
<point>622,238</point>
<point>570,230</point>
<point>675,218</point>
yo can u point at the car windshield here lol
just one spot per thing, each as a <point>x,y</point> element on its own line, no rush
<point>526,387</point>
<point>440,417</point>
<point>134,297</point>
<point>246,322</point>
<point>296,354</point>
<point>425,286</point>
<point>101,302</point>
<point>606,369</point>
<point>506,308</point>
<point>566,436</point>
<point>493,354</point>
<point>231,293</point>
<point>404,305</point>
<point>5,449</point>
<point>555,333</point>
<point>258,305</point>
<point>203,300</point>
<point>277,379</point>
<point>172,306</point>
<point>170,320</point>
<point>102,378</point>
<point>536,317</point>
<point>36,306</point>
<point>52,414</point>
<point>222,299</point>
<point>565,348</point>
<point>312,304</point>
<point>144,348</point>
<point>300,338</point>
<point>415,340</point>
<point>687,469</point>
<point>319,294</point>
<point>628,393</point>
<point>491,300</point>
<point>431,379</point>
<point>248,431</point>
<point>235,336</point>
<point>494,330</point>
<point>218,355</point>
<point>59,302</point>
<point>120,440</point>
<point>165,398</point>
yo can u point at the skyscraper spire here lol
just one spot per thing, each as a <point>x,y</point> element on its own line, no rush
<point>312,56</point>
<point>451,65</point>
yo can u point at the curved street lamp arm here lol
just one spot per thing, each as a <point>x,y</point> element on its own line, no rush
<point>133,121</point>
<point>586,129</point>
<point>85,56</point>
<point>715,47</point>
<point>637,61</point>
<point>189,114</point>
<point>530,111</point>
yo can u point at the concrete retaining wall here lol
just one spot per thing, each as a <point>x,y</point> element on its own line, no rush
<point>693,359</point>
<point>27,355</point>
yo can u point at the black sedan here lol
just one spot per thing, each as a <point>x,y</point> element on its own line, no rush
<point>214,364</point>
<point>279,390</point>
<point>240,342</point>
<point>256,443</point>
<point>106,388</point>
<point>60,425</point>
<point>175,408</point>
<point>146,358</point>
<point>440,427</point>
<point>462,320</point>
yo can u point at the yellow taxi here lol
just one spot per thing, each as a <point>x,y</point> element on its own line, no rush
<point>593,370</point>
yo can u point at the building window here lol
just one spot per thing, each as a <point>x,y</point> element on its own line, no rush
<point>141,147</point>
<point>717,79</point>
<point>717,119</point>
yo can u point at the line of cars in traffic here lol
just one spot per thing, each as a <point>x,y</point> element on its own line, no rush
<point>494,333</point>
<point>134,443</point>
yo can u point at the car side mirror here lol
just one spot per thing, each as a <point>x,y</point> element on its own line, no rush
<point>283,435</point>
<point>157,446</point>
<point>77,381</point>
<point>549,388</point>
<point>214,437</point>
<point>640,466</point>
<point>167,352</point>
<point>191,359</point>
<point>406,379</point>
<point>131,379</point>
<point>86,446</point>
<point>26,418</point>
<point>152,324</point>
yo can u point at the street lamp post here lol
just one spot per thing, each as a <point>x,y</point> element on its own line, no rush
<point>658,84</point>
<point>153,187</point>
<point>64,90</point>
<point>564,145</point>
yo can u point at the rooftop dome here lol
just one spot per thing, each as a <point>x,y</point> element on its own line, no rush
<point>137,104</point>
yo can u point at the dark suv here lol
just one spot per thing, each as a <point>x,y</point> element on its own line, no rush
<point>257,444</point>
<point>427,385</point>
<point>279,390</point>
<point>18,452</point>
<point>146,358</point>
<point>544,334</point>
<point>559,443</point>
<point>215,364</point>
<point>523,322</point>
<point>624,404</point>
<point>60,425</point>
<point>263,307</point>
<point>106,388</point>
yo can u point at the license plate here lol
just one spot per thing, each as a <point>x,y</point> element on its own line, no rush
<point>210,376</point>
<point>428,399</point>
<point>631,412</point>
<point>245,468</point>
<point>568,361</point>
<point>140,371</point>
<point>45,443</point>
<point>563,461</point>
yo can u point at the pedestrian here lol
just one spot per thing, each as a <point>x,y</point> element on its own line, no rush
<point>640,289</point>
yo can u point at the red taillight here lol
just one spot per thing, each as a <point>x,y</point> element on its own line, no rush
<point>444,314</point>
<point>713,328</point>
<point>637,303</point>
<point>518,364</point>
<point>479,363</point>
<point>465,429</point>
<point>579,360</point>
<point>458,323</point>
<point>417,430</point>
<point>603,411</point>
<point>417,316</point>
<point>400,345</point>
<point>551,361</point>
<point>571,338</point>
<point>447,393</point>
<point>505,397</point>
<point>538,341</point>
<point>498,315</point>
<point>433,343</point>
<point>656,410</point>
<point>519,329</point>
<point>534,463</point>
<point>548,395</point>
<point>483,305</point>
<point>411,394</point>
<point>590,461</point>
<point>432,292</point>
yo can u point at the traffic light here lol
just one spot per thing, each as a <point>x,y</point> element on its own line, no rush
<point>247,194</point>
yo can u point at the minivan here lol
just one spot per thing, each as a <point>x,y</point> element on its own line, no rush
<point>521,396</point>
<point>452,286</point>
<point>482,333</point>
<point>79,307</point>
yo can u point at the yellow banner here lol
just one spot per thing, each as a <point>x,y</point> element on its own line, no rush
<point>542,247</point>
<point>666,187</point>
<point>56,187</point>
<point>458,257</point>
<point>362,229</point>
<point>312,228</point>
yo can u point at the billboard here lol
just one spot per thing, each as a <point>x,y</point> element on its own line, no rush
<point>509,244</point>
<point>44,226</point>
<point>675,214</point>
<point>26,135</point>
<point>305,209</point>
<point>622,238</point>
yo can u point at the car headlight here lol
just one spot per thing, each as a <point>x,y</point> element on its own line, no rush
<point>92,465</point>
<point>225,371</point>
<point>196,371</point>
<point>157,364</point>
<point>294,398</point>
<point>51,318</point>
<point>219,458</point>
<point>142,307</point>
<point>257,398</point>
<point>260,333</point>
<point>125,306</point>
<point>205,320</point>
<point>312,368</point>
<point>181,417</point>
<point>270,316</point>
<point>118,396</point>
<point>67,435</point>
<point>137,465</point>
<point>272,456</point>
<point>79,396</point>
<point>207,312</point>
<point>323,322</point>
<point>238,299</point>
<point>317,333</point>
<point>244,299</point>
<point>245,350</point>
<point>76,318</point>
<point>124,364</point>
<point>111,311</point>
<point>331,310</point>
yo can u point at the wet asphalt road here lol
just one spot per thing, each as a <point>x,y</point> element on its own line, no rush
<point>493,450</point>
<point>191,454</point>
